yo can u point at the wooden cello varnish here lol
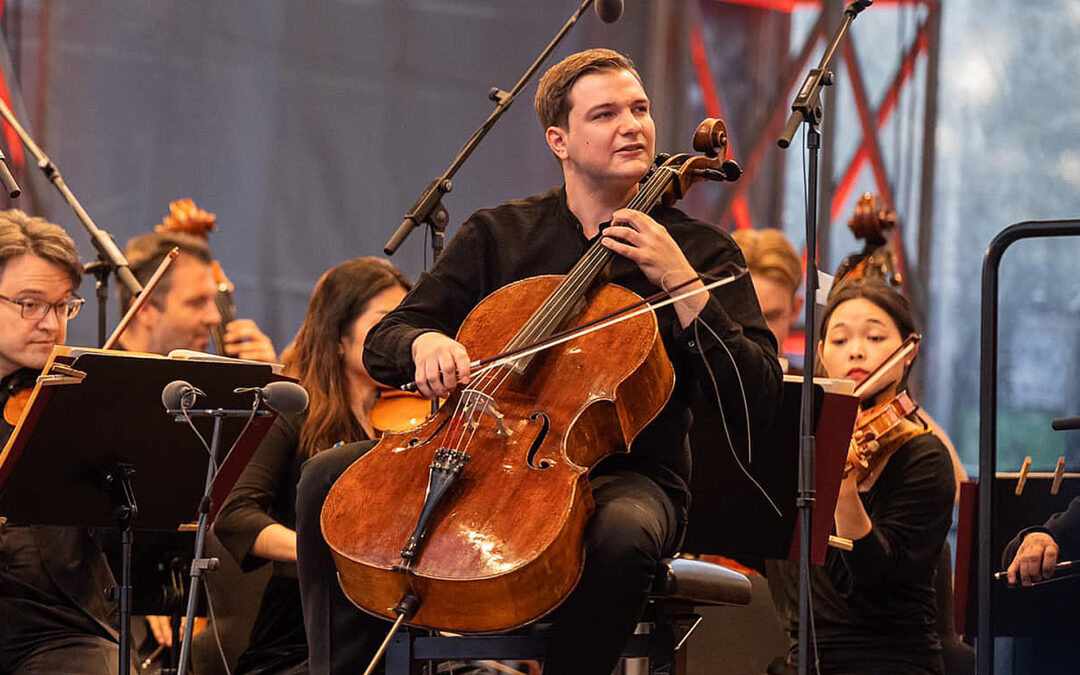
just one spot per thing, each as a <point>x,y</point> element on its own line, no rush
<point>505,543</point>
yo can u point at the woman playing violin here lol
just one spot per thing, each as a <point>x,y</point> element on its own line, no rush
<point>874,606</point>
<point>257,521</point>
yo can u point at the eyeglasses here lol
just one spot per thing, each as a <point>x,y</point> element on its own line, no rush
<point>35,310</point>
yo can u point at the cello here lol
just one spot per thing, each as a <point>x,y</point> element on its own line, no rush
<point>474,520</point>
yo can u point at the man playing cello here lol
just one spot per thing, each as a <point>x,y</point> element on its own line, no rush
<point>598,125</point>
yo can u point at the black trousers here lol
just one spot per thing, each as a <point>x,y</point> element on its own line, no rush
<point>635,525</point>
<point>72,654</point>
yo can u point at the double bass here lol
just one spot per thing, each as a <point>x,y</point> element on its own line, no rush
<point>184,216</point>
<point>474,520</point>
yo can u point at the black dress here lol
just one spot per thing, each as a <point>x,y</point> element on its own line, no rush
<point>874,607</point>
<point>265,494</point>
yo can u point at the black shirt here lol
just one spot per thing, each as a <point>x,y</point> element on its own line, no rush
<point>876,603</point>
<point>33,608</point>
<point>540,235</point>
<point>264,494</point>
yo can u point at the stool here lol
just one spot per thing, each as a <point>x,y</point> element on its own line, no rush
<point>679,587</point>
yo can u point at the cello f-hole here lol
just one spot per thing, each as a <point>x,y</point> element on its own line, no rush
<point>531,459</point>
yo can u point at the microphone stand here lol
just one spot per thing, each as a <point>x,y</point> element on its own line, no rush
<point>199,564</point>
<point>806,109</point>
<point>110,259</point>
<point>428,208</point>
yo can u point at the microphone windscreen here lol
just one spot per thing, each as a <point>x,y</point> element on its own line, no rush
<point>609,11</point>
<point>173,394</point>
<point>288,398</point>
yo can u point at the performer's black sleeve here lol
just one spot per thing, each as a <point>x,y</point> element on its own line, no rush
<point>730,331</point>
<point>438,302</point>
<point>1064,527</point>
<point>910,513</point>
<point>249,508</point>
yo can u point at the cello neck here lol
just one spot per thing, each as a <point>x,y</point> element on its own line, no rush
<point>565,300</point>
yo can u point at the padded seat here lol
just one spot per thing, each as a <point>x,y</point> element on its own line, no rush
<point>700,583</point>
<point>679,586</point>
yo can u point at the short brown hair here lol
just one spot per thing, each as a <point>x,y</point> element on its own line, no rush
<point>552,100</point>
<point>21,234</point>
<point>769,253</point>
<point>145,253</point>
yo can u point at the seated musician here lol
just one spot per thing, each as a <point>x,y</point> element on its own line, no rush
<point>1032,555</point>
<point>874,606</point>
<point>181,310</point>
<point>179,315</point>
<point>54,617</point>
<point>776,270</point>
<point>598,124</point>
<point>257,522</point>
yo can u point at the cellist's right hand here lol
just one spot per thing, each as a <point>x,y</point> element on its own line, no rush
<point>441,364</point>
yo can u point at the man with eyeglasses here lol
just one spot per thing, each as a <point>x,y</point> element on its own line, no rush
<point>54,617</point>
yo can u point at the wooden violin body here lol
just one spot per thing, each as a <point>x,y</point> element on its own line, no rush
<point>506,546</point>
<point>890,425</point>
<point>397,410</point>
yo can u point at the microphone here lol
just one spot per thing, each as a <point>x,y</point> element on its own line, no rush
<point>1066,424</point>
<point>180,394</point>
<point>287,398</point>
<point>857,6</point>
<point>609,11</point>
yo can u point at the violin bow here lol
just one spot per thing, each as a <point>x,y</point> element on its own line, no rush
<point>143,297</point>
<point>902,352</point>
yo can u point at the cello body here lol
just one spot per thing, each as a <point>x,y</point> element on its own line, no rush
<point>505,546</point>
<point>474,521</point>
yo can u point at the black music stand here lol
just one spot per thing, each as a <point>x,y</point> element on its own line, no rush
<point>95,434</point>
<point>729,515</point>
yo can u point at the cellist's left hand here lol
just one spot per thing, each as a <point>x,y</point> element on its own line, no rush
<point>636,236</point>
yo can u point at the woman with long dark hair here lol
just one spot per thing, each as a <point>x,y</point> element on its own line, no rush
<point>874,607</point>
<point>257,523</point>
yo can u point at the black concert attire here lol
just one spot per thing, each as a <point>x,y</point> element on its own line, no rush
<point>1064,527</point>
<point>265,494</point>
<point>54,616</point>
<point>875,608</point>
<point>641,497</point>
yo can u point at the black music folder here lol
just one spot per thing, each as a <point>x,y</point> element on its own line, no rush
<point>93,409</point>
<point>728,513</point>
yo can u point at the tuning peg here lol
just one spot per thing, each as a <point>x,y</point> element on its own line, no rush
<point>661,157</point>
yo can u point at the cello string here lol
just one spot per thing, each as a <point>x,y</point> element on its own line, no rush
<point>595,258</point>
<point>545,319</point>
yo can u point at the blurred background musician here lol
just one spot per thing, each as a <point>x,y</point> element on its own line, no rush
<point>54,616</point>
<point>181,314</point>
<point>182,310</point>
<point>1031,556</point>
<point>874,607</point>
<point>777,272</point>
<point>257,523</point>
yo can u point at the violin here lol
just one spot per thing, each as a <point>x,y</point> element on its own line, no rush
<point>398,410</point>
<point>474,521</point>
<point>17,396</point>
<point>873,223</point>
<point>184,216</point>
<point>890,423</point>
